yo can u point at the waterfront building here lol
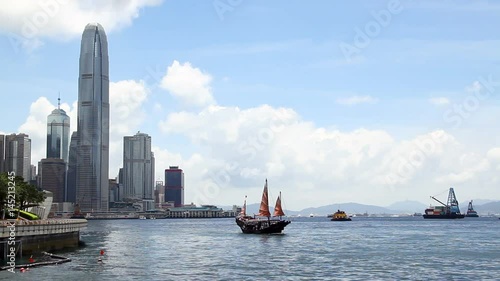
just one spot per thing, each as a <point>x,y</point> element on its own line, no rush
<point>192,211</point>
<point>114,191</point>
<point>174,185</point>
<point>52,177</point>
<point>92,167</point>
<point>58,134</point>
<point>159,194</point>
<point>17,155</point>
<point>138,167</point>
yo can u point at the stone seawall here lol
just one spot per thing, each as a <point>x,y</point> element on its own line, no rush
<point>39,236</point>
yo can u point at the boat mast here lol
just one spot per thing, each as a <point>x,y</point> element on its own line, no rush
<point>278,210</point>
<point>244,209</point>
<point>264,204</point>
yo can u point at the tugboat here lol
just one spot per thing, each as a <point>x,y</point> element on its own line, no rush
<point>77,214</point>
<point>447,211</point>
<point>340,216</point>
<point>471,213</point>
<point>253,225</point>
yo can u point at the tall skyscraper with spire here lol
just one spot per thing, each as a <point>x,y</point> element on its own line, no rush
<point>58,133</point>
<point>52,170</point>
<point>92,169</point>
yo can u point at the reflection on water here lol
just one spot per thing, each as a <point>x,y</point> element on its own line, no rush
<point>311,249</point>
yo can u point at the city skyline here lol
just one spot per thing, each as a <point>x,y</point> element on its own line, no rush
<point>369,102</point>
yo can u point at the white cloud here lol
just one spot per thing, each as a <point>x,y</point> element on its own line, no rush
<point>240,147</point>
<point>439,101</point>
<point>36,127</point>
<point>127,98</point>
<point>27,21</point>
<point>189,84</point>
<point>247,145</point>
<point>494,154</point>
<point>356,100</point>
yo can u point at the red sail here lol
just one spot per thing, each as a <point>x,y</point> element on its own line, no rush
<point>278,211</point>
<point>264,204</point>
<point>244,209</point>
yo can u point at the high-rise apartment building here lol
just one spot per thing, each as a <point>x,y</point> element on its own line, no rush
<point>17,155</point>
<point>174,185</point>
<point>52,177</point>
<point>138,167</point>
<point>92,167</point>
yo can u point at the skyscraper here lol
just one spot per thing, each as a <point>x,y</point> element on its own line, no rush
<point>71,174</point>
<point>52,177</point>
<point>92,172</point>
<point>58,134</point>
<point>138,167</point>
<point>174,185</point>
<point>18,155</point>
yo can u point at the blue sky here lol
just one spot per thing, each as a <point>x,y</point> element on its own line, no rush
<point>421,60</point>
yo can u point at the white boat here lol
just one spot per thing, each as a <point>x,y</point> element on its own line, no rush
<point>142,217</point>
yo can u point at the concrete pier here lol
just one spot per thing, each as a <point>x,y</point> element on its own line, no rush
<point>39,236</point>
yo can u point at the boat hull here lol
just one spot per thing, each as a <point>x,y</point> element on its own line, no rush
<point>256,226</point>
<point>445,216</point>
<point>341,219</point>
<point>472,215</point>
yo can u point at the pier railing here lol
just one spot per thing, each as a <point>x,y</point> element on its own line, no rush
<point>41,227</point>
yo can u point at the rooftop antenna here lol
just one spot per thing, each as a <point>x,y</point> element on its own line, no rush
<point>59,101</point>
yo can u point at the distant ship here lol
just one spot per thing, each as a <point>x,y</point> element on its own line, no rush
<point>254,225</point>
<point>340,216</point>
<point>447,211</point>
<point>471,212</point>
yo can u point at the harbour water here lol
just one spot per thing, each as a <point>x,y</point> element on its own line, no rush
<point>409,248</point>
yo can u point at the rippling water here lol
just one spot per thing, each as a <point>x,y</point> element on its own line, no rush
<point>311,249</point>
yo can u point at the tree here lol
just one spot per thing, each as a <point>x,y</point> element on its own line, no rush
<point>27,195</point>
<point>4,186</point>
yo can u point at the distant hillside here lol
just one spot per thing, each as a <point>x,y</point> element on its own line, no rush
<point>401,207</point>
<point>488,208</point>
<point>407,207</point>
<point>351,208</point>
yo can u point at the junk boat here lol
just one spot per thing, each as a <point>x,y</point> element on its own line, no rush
<point>254,225</point>
<point>471,213</point>
<point>447,211</point>
<point>340,216</point>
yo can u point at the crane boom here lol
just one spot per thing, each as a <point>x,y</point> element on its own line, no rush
<point>438,201</point>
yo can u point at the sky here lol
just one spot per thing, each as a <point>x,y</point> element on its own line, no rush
<point>371,102</point>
